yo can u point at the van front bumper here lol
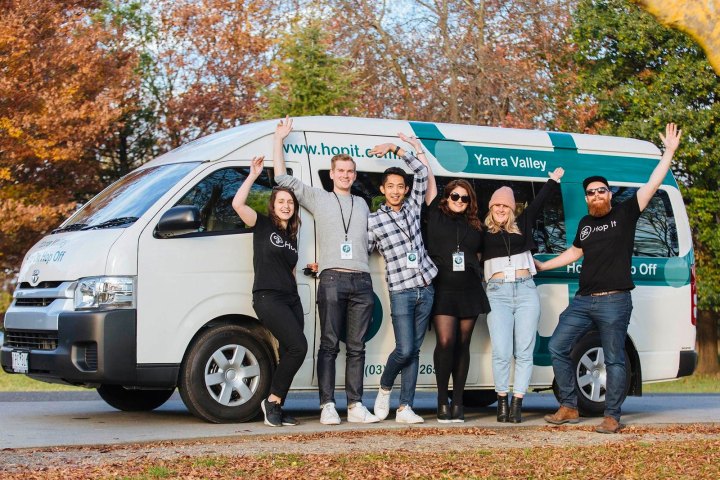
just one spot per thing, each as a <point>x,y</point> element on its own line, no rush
<point>88,348</point>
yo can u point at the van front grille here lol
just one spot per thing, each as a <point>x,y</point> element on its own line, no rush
<point>33,302</point>
<point>32,339</point>
<point>26,285</point>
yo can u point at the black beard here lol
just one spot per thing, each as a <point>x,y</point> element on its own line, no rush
<point>599,209</point>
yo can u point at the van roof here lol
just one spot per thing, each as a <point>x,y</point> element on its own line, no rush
<point>221,144</point>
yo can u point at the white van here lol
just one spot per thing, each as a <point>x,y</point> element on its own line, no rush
<point>148,286</point>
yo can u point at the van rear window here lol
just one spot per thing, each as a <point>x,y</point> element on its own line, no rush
<point>656,232</point>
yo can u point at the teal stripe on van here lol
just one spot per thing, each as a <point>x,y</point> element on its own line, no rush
<point>457,157</point>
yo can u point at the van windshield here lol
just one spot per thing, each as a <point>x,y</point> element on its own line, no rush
<point>126,200</point>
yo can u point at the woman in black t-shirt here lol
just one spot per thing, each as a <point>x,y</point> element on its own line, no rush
<point>275,297</point>
<point>454,239</point>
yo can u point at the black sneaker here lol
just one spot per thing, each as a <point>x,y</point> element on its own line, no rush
<point>272,412</point>
<point>288,421</point>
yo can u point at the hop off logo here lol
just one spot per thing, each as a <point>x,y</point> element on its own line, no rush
<point>412,257</point>
<point>458,260</point>
<point>346,248</point>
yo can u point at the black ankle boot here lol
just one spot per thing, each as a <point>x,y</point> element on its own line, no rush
<point>457,413</point>
<point>443,413</point>
<point>516,410</point>
<point>502,408</point>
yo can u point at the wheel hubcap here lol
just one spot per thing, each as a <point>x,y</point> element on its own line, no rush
<point>232,375</point>
<point>591,375</point>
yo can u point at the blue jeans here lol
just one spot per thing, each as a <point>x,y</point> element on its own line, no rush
<point>513,323</point>
<point>610,315</point>
<point>345,304</point>
<point>410,310</point>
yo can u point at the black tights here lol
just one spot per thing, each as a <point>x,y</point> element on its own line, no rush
<point>452,355</point>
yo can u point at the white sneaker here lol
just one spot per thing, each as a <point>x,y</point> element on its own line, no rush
<point>382,404</point>
<point>328,415</point>
<point>359,414</point>
<point>406,415</point>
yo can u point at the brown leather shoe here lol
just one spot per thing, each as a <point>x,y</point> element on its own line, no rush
<point>609,425</point>
<point>563,415</point>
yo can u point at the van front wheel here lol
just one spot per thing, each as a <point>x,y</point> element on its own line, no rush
<point>225,375</point>
<point>133,400</point>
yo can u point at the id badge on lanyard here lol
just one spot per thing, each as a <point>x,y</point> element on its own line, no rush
<point>509,273</point>
<point>346,252</point>
<point>458,261</point>
<point>411,259</point>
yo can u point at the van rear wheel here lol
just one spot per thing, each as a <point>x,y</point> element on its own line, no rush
<point>590,375</point>
<point>226,375</point>
<point>132,400</point>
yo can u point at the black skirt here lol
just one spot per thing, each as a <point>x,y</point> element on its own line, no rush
<point>466,302</point>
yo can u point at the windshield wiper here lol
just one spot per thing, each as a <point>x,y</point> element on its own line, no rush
<point>115,222</point>
<point>70,228</point>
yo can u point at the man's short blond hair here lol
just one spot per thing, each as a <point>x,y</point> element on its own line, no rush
<point>342,157</point>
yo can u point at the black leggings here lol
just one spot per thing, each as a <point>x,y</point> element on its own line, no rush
<point>452,355</point>
<point>282,314</point>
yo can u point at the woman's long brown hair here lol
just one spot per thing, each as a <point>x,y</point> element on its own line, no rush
<point>471,212</point>
<point>293,224</point>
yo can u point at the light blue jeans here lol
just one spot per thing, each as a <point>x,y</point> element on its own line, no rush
<point>513,323</point>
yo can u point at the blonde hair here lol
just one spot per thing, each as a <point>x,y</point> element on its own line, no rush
<point>494,227</point>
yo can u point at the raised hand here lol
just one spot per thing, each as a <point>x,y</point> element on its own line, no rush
<point>256,166</point>
<point>557,174</point>
<point>411,139</point>
<point>381,149</point>
<point>284,127</point>
<point>671,139</point>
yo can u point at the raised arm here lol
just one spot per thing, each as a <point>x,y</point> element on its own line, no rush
<point>283,129</point>
<point>247,214</point>
<point>671,140</point>
<point>572,254</point>
<point>431,191</point>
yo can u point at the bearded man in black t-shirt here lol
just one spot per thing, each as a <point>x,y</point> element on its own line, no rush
<point>605,239</point>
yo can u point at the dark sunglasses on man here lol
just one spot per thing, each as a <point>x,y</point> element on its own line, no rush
<point>456,196</point>
<point>591,192</point>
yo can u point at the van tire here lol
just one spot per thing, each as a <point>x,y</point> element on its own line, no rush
<point>133,400</point>
<point>225,375</point>
<point>591,397</point>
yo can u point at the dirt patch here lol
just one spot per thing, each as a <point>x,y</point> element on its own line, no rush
<point>62,461</point>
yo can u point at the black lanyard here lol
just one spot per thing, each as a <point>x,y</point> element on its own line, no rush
<point>507,245</point>
<point>412,245</point>
<point>352,204</point>
<point>457,235</point>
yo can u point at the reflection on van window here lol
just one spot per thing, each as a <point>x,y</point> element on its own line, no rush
<point>656,232</point>
<point>214,194</point>
<point>549,231</point>
<point>126,200</point>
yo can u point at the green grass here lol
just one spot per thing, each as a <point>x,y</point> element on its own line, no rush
<point>22,383</point>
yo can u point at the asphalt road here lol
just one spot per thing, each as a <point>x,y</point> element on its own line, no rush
<point>44,419</point>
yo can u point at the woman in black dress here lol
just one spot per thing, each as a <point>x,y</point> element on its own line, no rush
<point>454,239</point>
<point>275,296</point>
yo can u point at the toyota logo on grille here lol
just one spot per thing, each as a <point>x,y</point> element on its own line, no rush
<point>35,278</point>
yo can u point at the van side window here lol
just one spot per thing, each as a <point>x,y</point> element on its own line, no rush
<point>213,195</point>
<point>656,232</point>
<point>549,232</point>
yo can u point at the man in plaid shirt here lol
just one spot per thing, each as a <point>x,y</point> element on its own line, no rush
<point>395,231</point>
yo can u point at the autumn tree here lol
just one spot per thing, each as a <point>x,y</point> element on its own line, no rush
<point>310,80</point>
<point>59,91</point>
<point>642,75</point>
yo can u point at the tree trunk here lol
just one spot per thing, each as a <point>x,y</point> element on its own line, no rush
<point>707,342</point>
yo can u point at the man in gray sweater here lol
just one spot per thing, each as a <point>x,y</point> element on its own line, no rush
<point>345,295</point>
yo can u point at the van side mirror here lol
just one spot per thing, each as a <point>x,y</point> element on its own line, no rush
<point>178,220</point>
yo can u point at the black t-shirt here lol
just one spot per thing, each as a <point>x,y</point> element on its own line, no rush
<point>274,257</point>
<point>607,245</point>
<point>444,232</point>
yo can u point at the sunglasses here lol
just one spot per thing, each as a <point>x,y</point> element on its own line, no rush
<point>456,196</point>
<point>591,192</point>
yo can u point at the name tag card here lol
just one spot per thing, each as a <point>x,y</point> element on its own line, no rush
<point>458,261</point>
<point>412,260</point>
<point>346,251</point>
<point>509,273</point>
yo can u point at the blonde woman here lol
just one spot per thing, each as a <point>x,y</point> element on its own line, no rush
<point>514,301</point>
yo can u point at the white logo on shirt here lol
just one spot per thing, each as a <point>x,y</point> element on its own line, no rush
<point>587,229</point>
<point>278,241</point>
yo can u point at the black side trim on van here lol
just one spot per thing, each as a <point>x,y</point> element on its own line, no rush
<point>688,362</point>
<point>158,375</point>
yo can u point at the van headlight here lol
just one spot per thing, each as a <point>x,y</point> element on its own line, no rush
<point>105,292</point>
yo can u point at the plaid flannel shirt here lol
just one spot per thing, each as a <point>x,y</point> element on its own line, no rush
<point>395,234</point>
